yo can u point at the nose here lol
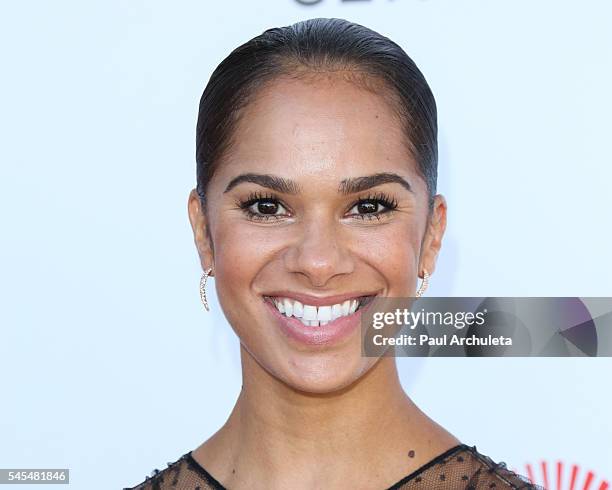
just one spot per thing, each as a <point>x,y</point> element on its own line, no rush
<point>321,251</point>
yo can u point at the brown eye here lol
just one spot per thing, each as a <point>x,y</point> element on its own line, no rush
<point>262,208</point>
<point>267,207</point>
<point>374,206</point>
<point>366,207</point>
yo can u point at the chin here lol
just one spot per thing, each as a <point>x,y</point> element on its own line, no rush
<point>324,374</point>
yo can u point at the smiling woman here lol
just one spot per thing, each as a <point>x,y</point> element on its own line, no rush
<point>316,192</point>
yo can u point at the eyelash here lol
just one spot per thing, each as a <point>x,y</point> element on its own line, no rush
<point>388,202</point>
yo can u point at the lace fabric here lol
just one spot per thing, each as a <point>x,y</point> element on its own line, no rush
<point>460,468</point>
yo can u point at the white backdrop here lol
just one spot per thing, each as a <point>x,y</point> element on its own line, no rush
<point>108,363</point>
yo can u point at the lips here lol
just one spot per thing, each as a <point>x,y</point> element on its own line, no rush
<point>319,300</point>
<point>317,327</point>
<point>314,316</point>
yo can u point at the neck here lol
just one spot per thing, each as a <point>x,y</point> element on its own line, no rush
<point>277,430</point>
<point>300,420</point>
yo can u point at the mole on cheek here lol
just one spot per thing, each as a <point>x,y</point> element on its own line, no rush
<point>411,453</point>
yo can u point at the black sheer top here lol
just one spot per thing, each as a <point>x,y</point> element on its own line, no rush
<point>460,468</point>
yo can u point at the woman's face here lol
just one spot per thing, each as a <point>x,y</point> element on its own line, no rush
<point>295,211</point>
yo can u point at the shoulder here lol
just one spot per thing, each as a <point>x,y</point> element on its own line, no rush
<point>483,472</point>
<point>162,478</point>
<point>183,473</point>
<point>464,467</point>
<point>489,474</point>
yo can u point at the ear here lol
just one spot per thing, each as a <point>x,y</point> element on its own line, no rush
<point>201,231</point>
<point>432,240</point>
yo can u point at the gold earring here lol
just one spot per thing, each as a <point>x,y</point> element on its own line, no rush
<point>203,287</point>
<point>423,285</point>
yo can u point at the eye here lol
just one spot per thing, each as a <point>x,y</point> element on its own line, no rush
<point>261,208</point>
<point>265,206</point>
<point>373,207</point>
<point>369,207</point>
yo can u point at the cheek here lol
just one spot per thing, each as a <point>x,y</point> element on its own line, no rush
<point>237,259</point>
<point>236,268</point>
<point>244,249</point>
<point>241,252</point>
<point>393,251</point>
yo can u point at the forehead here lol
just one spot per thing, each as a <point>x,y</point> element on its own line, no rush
<point>326,126</point>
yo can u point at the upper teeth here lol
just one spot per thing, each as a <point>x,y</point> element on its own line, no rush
<point>313,316</point>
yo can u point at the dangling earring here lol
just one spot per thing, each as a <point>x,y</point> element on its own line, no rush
<point>203,287</point>
<point>423,285</point>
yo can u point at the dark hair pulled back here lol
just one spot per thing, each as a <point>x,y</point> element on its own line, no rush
<point>312,46</point>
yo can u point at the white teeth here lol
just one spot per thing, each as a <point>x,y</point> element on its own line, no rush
<point>309,323</point>
<point>280,305</point>
<point>336,312</point>
<point>346,306</point>
<point>310,312</point>
<point>311,315</point>
<point>298,309</point>
<point>288,304</point>
<point>324,313</point>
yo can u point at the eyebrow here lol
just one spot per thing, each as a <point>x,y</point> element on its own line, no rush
<point>347,186</point>
<point>359,184</point>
